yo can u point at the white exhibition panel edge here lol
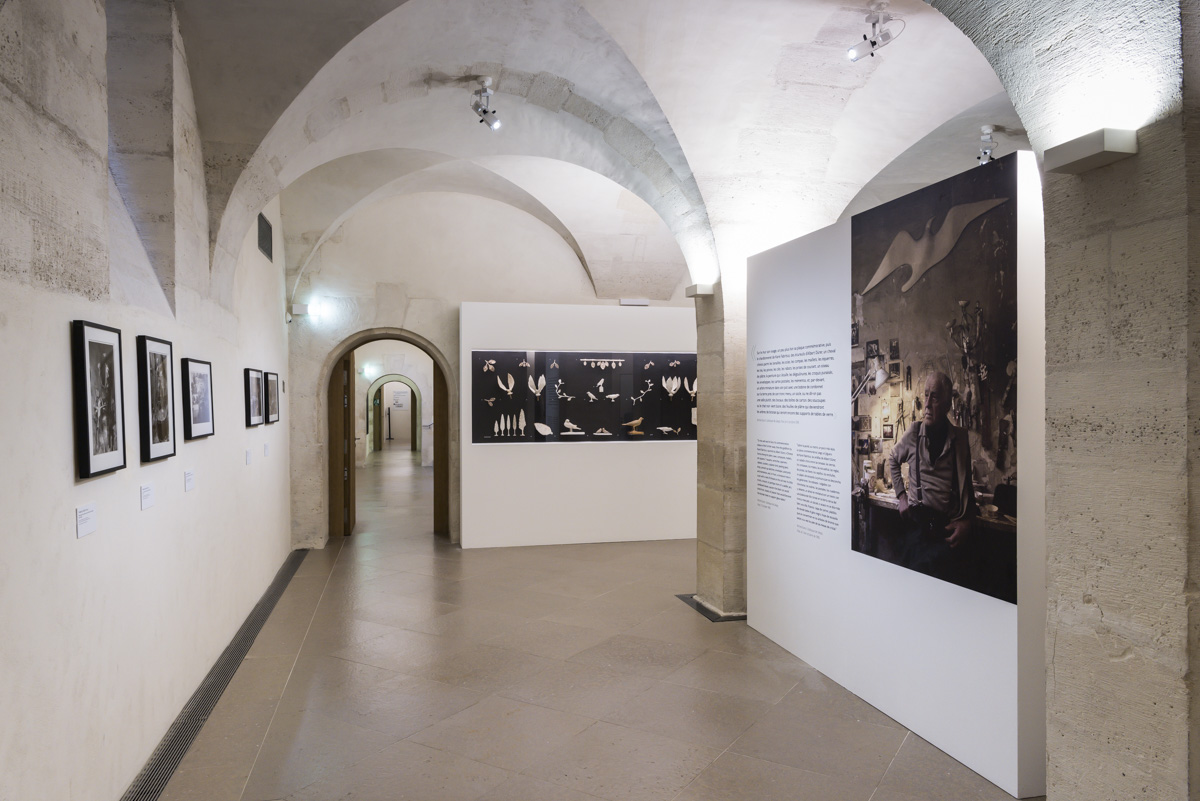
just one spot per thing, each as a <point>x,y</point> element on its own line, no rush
<point>556,493</point>
<point>962,670</point>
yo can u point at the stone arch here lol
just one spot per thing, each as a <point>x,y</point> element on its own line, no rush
<point>447,493</point>
<point>382,381</point>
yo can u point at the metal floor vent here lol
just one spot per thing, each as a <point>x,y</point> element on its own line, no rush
<point>153,779</point>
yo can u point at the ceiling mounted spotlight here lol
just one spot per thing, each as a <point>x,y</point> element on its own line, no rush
<point>481,104</point>
<point>986,144</point>
<point>878,18</point>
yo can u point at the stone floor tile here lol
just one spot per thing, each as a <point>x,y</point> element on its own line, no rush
<point>694,716</point>
<point>483,668</point>
<point>549,639</point>
<point>502,732</point>
<point>622,764</point>
<point>370,697</point>
<point>305,747</point>
<point>527,788</point>
<point>406,771</point>
<point>469,625</point>
<point>734,674</point>
<point>214,783</point>
<point>921,771</point>
<point>832,746</point>
<point>653,658</point>
<point>399,650</point>
<point>585,690</point>
<point>734,777</point>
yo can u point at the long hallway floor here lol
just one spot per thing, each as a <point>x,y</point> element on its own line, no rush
<point>398,667</point>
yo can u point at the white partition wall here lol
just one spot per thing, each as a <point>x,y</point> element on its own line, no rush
<point>564,492</point>
<point>961,668</point>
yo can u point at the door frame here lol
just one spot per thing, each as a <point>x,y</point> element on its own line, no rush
<point>447,504</point>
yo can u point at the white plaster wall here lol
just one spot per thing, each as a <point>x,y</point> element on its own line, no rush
<point>585,492</point>
<point>103,639</point>
<point>402,418</point>
<point>402,266</point>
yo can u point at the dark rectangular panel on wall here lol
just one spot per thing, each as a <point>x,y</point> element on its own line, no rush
<point>581,396</point>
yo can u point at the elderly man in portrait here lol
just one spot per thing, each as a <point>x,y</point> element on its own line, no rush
<point>938,501</point>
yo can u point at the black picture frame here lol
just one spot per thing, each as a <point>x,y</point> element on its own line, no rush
<point>872,349</point>
<point>271,396</point>
<point>156,398</point>
<point>889,431</point>
<point>253,385</point>
<point>199,416</point>
<point>894,349</point>
<point>97,368</point>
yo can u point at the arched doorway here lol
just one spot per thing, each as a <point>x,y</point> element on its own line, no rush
<point>377,417</point>
<point>341,409</point>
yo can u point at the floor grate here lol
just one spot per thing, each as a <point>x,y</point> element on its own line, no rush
<point>153,778</point>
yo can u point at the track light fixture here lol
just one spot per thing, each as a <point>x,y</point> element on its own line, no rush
<point>481,104</point>
<point>878,18</point>
<point>986,144</point>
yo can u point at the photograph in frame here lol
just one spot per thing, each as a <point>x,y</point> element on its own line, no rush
<point>99,398</point>
<point>939,498</point>
<point>156,398</point>
<point>271,396</point>
<point>198,399</point>
<point>254,397</point>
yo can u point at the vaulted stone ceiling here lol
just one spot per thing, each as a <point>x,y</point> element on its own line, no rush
<point>741,125</point>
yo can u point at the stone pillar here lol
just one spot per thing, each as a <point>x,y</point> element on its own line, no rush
<point>1121,427</point>
<point>721,451</point>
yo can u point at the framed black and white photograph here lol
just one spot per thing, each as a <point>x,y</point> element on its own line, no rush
<point>198,394</point>
<point>156,398</point>
<point>889,430</point>
<point>271,396</point>
<point>853,335</point>
<point>872,349</point>
<point>99,398</point>
<point>894,349</point>
<point>254,397</point>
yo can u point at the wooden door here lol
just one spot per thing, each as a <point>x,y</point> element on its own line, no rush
<point>341,449</point>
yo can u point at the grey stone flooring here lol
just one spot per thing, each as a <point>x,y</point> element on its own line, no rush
<point>398,667</point>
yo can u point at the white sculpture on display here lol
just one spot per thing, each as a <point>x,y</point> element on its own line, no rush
<point>512,383</point>
<point>521,423</point>
<point>537,388</point>
<point>671,385</point>
<point>572,429</point>
<point>693,388</point>
<point>543,429</point>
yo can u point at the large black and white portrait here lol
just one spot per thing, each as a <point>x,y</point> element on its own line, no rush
<point>198,399</point>
<point>934,275</point>
<point>254,397</point>
<point>581,396</point>
<point>99,398</point>
<point>156,399</point>
<point>271,396</point>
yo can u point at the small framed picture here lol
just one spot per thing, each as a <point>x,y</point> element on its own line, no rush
<point>894,349</point>
<point>876,445</point>
<point>862,423</point>
<point>198,392</point>
<point>156,398</point>
<point>271,384</point>
<point>889,430</point>
<point>853,334</point>
<point>99,398</point>
<point>862,445</point>
<point>254,397</point>
<point>893,370</point>
<point>872,348</point>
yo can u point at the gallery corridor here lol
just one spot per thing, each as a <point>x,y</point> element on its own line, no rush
<point>398,667</point>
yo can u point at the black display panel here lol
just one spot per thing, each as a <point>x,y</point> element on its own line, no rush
<point>582,396</point>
